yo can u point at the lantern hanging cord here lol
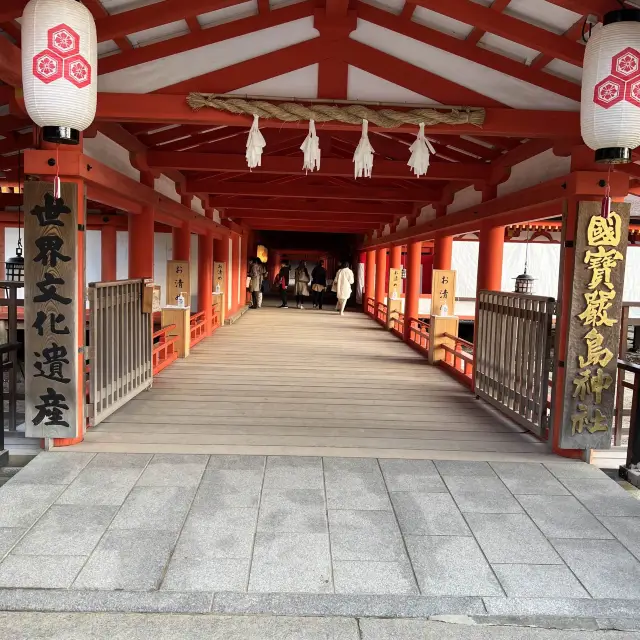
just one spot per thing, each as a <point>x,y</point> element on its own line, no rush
<point>526,251</point>
<point>350,114</point>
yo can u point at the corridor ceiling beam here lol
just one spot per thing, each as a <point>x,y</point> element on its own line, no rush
<point>506,26</point>
<point>424,194</point>
<point>211,35</point>
<point>251,216</point>
<point>173,109</point>
<point>584,7</point>
<point>291,165</point>
<point>10,63</point>
<point>294,204</point>
<point>469,51</point>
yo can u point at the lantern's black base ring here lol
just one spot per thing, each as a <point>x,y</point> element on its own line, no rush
<point>621,15</point>
<point>613,155</point>
<point>61,135</point>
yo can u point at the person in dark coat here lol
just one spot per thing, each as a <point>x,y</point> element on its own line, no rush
<point>318,284</point>
<point>282,281</point>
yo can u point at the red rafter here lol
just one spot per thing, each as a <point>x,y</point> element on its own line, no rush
<point>476,34</point>
<point>98,11</point>
<point>572,33</point>
<point>508,27</point>
<point>469,51</point>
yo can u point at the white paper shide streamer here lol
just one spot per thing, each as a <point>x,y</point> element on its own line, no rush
<point>255,144</point>
<point>363,157</point>
<point>421,150</point>
<point>311,149</point>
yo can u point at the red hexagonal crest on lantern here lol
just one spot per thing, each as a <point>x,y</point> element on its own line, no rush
<point>47,66</point>
<point>608,92</point>
<point>63,40</point>
<point>626,64</point>
<point>77,71</point>
<point>632,92</point>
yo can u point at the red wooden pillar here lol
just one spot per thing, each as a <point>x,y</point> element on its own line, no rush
<point>108,239</point>
<point>205,278</point>
<point>395,257</point>
<point>490,258</point>
<point>412,295</point>
<point>141,244</point>
<point>234,266</point>
<point>182,243</point>
<point>369,276</point>
<point>381,275</point>
<point>442,250</point>
<point>221,254</point>
<point>244,268</point>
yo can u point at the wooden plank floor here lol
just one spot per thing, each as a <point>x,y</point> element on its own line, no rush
<point>310,382</point>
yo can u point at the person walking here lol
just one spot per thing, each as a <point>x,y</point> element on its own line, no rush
<point>263,284</point>
<point>282,282</point>
<point>302,280</point>
<point>256,274</point>
<point>342,286</point>
<point>318,284</point>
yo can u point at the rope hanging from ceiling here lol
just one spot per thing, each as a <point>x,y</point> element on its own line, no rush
<point>388,118</point>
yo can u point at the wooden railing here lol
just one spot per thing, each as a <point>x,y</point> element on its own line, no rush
<point>198,327</point>
<point>10,349</point>
<point>633,448</point>
<point>120,346</point>
<point>621,383</point>
<point>458,360</point>
<point>397,324</point>
<point>512,355</point>
<point>419,335</point>
<point>371,307</point>
<point>215,317</point>
<point>382,312</point>
<point>164,350</point>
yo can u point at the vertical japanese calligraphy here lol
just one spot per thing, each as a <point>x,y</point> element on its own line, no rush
<point>594,329</point>
<point>443,292</point>
<point>51,311</point>
<point>178,281</point>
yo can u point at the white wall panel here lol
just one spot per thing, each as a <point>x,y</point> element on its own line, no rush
<point>113,155</point>
<point>464,198</point>
<point>545,166</point>
<point>302,83</point>
<point>366,86</point>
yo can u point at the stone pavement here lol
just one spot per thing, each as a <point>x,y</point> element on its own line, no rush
<point>94,626</point>
<point>317,536</point>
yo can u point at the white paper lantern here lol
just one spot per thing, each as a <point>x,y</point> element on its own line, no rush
<point>59,67</point>
<point>610,106</point>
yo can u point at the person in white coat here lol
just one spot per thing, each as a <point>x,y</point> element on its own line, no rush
<point>342,283</point>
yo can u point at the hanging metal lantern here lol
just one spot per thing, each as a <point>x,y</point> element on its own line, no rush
<point>524,283</point>
<point>59,68</point>
<point>610,103</point>
<point>14,267</point>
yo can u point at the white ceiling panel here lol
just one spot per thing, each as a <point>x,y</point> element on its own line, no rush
<point>367,87</point>
<point>107,48</point>
<point>565,70</point>
<point>283,3</point>
<point>543,14</point>
<point>441,22</point>
<point>118,6</point>
<point>156,34</point>
<point>508,90</point>
<point>508,48</point>
<point>228,14</point>
<point>302,83</point>
<point>157,74</point>
<point>393,6</point>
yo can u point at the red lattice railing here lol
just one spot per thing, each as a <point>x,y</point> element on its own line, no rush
<point>459,359</point>
<point>419,335</point>
<point>164,349</point>
<point>198,327</point>
<point>371,307</point>
<point>397,324</point>
<point>215,317</point>
<point>382,313</point>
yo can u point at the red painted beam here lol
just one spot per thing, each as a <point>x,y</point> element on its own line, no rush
<point>320,227</point>
<point>573,33</point>
<point>173,109</point>
<point>270,65</point>
<point>11,9</point>
<point>423,194</point>
<point>155,15</point>
<point>508,27</point>
<point>194,161</point>
<point>191,41</point>
<point>10,63</point>
<point>251,216</point>
<point>469,51</point>
<point>300,204</point>
<point>476,34</point>
<point>585,7</point>
<point>413,78</point>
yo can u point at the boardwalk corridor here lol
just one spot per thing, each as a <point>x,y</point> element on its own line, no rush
<point>310,383</point>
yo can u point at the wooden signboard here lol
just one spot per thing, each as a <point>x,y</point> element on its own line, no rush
<point>594,326</point>
<point>443,292</point>
<point>51,312</point>
<point>218,276</point>
<point>395,284</point>
<point>178,280</point>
